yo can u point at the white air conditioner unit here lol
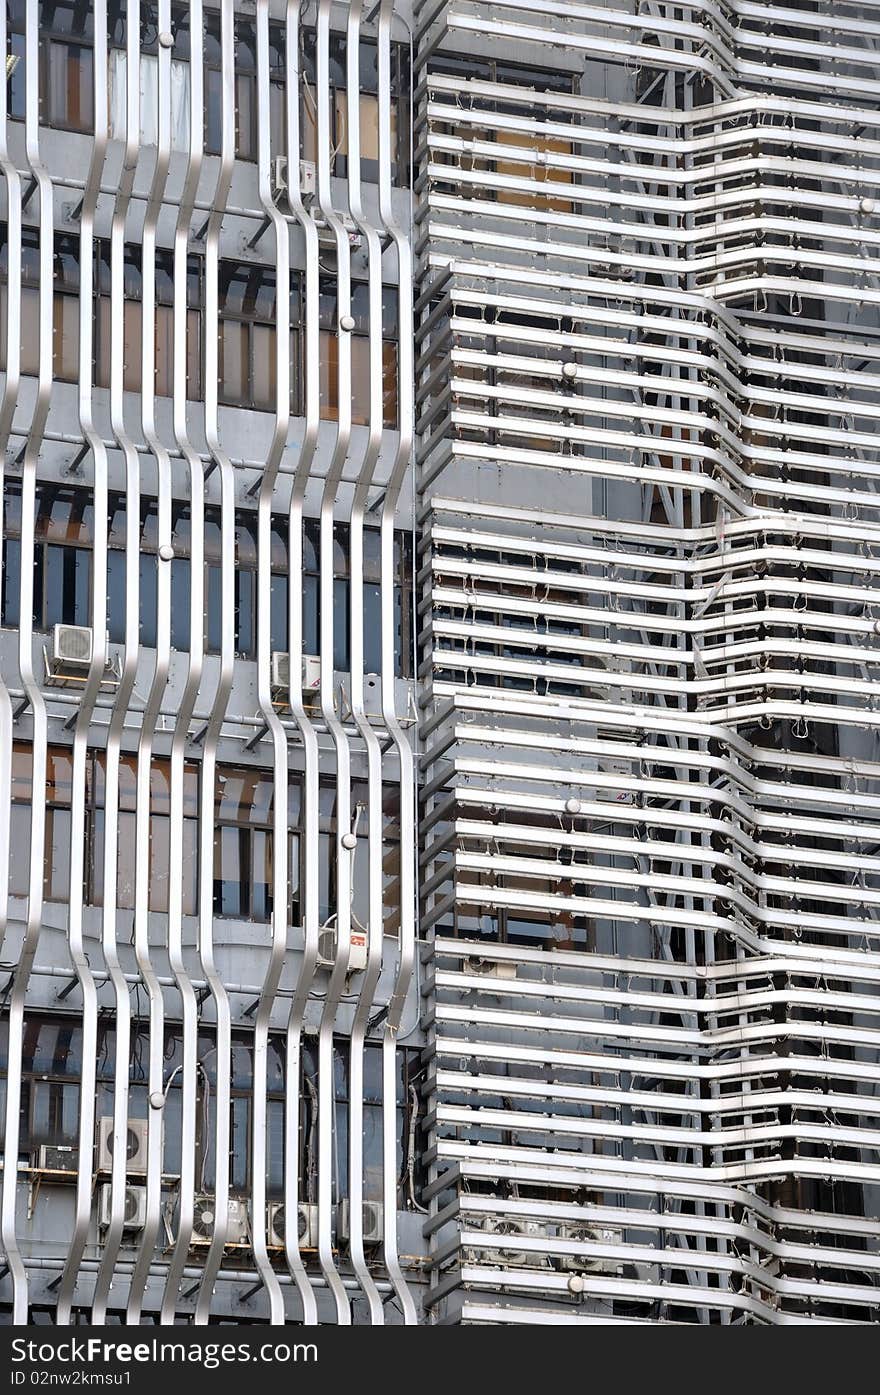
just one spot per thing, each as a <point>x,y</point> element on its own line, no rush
<point>489,968</point>
<point>59,1157</point>
<point>311,673</point>
<point>135,1145</point>
<point>279,174</point>
<point>280,672</point>
<point>503,1225</point>
<point>616,793</point>
<point>72,645</point>
<point>306,1225</point>
<point>134,1211</point>
<point>590,1235</point>
<point>357,961</point>
<point>372,1218</point>
<point>205,1215</point>
<point>308,179</point>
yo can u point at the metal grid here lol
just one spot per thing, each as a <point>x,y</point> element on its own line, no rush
<point>180,707</point>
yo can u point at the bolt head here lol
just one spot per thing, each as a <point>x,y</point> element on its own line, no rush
<point>572,806</point>
<point>166,40</point>
<point>576,1283</point>
<point>569,370</point>
<point>166,552</point>
<point>157,1100</point>
<point>346,322</point>
<point>349,841</point>
<point>867,205</point>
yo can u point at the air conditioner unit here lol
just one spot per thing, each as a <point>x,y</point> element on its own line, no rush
<point>590,1235</point>
<point>306,1225</point>
<point>616,793</point>
<point>308,178</point>
<point>503,1225</point>
<point>280,672</point>
<point>357,961</point>
<point>72,645</point>
<point>372,1218</point>
<point>205,1215</point>
<point>135,1145</point>
<point>134,1211</point>
<point>489,968</point>
<point>279,174</point>
<point>62,1157</point>
<point>311,673</point>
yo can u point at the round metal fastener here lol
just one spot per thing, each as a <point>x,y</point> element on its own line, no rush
<point>576,1283</point>
<point>572,806</point>
<point>867,205</point>
<point>166,552</point>
<point>157,1100</point>
<point>346,322</point>
<point>569,370</point>
<point>349,841</point>
<point>166,40</point>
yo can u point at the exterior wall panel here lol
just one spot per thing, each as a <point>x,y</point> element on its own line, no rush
<point>534,971</point>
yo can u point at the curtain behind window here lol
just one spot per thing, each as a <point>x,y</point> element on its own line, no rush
<point>149,82</point>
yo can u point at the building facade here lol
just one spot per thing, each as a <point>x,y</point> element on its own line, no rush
<point>438,771</point>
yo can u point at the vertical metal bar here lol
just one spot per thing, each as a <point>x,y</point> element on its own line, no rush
<point>76,946</point>
<point>195,474</point>
<point>11,1132</point>
<point>403,463</point>
<point>112,1237</point>
<point>157,1088</point>
<point>280,882</point>
<point>366,471</point>
<point>341,856</point>
<point>207,788</point>
<point>310,359</point>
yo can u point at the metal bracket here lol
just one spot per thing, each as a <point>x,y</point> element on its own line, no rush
<point>73,467</point>
<point>255,740</point>
<point>263,228</point>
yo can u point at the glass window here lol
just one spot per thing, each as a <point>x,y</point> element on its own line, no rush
<point>360,355</point>
<point>243,844</point>
<point>368,84</point>
<point>125,339</point>
<point>65,311</point>
<point>246,337</point>
<point>67,85</point>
